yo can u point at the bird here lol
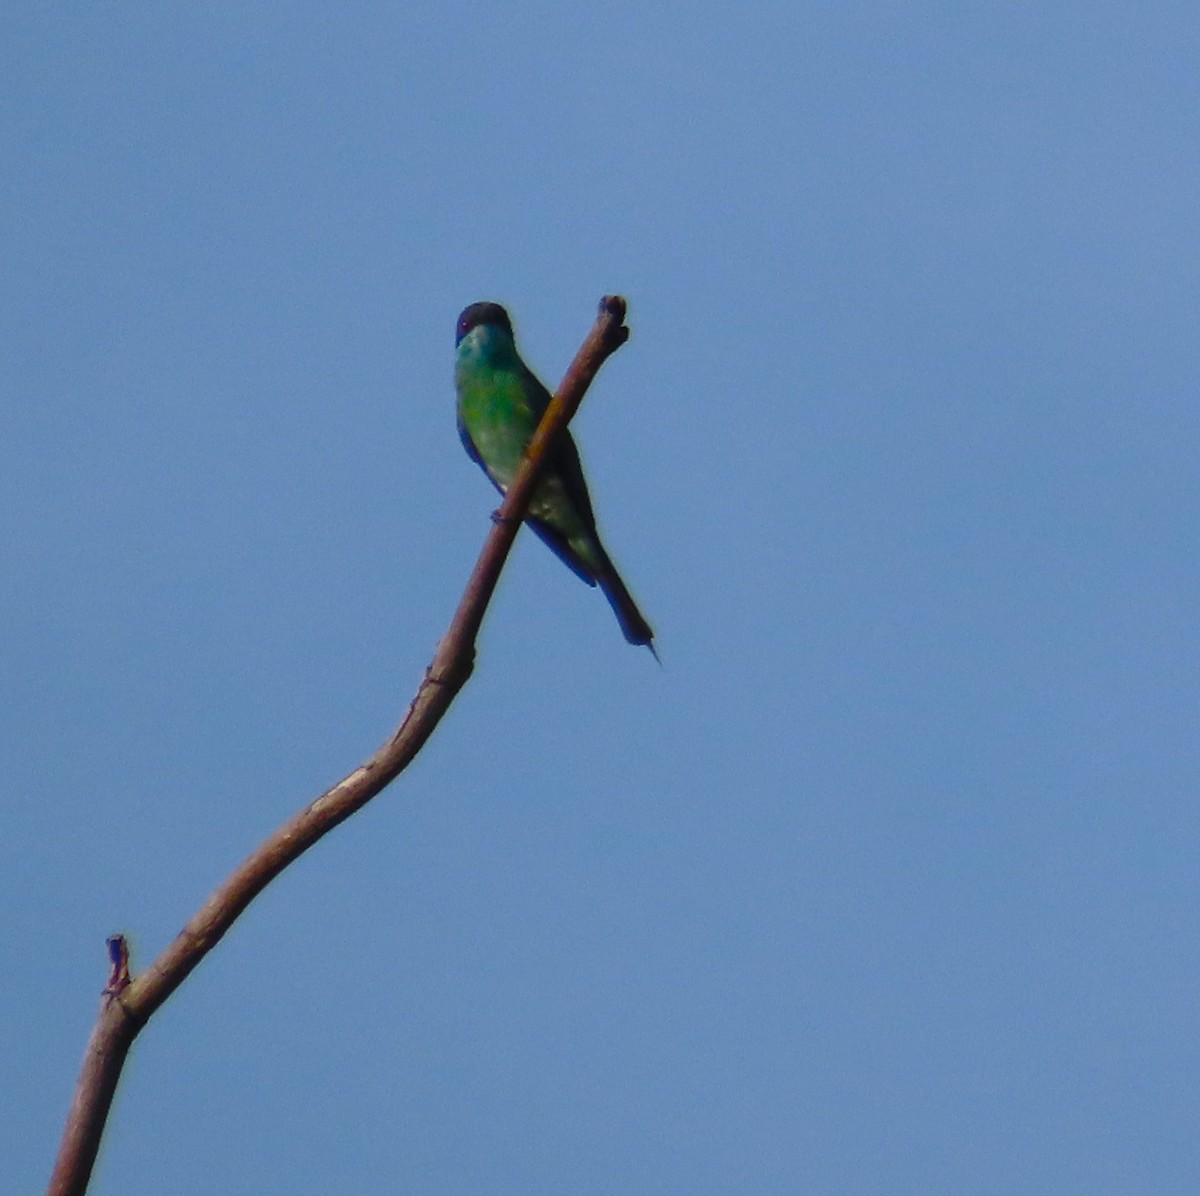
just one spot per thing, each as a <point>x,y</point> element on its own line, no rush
<point>500,403</point>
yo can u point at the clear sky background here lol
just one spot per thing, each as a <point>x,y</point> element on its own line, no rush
<point>888,881</point>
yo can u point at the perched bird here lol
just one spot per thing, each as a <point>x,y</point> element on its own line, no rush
<point>500,404</point>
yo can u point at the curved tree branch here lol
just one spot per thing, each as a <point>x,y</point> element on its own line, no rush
<point>129,1004</point>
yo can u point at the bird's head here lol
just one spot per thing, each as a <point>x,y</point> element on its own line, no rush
<point>482,314</point>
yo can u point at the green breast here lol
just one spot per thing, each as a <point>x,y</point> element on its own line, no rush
<point>496,405</point>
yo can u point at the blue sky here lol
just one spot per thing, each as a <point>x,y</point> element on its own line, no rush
<point>887,881</point>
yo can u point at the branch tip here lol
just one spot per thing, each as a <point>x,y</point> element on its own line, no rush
<point>118,976</point>
<point>615,306</point>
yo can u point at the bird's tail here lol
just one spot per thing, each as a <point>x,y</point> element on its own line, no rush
<point>633,625</point>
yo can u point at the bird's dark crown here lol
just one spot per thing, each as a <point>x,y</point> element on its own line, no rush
<point>482,313</point>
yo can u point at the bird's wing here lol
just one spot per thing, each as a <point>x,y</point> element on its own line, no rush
<point>565,467</point>
<point>561,547</point>
<point>565,463</point>
<point>469,444</point>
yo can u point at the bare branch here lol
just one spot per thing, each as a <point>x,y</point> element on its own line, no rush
<point>128,1004</point>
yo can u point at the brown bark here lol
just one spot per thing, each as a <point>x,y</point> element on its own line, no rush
<point>129,1003</point>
